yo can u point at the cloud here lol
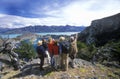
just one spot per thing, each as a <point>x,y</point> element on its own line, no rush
<point>30,8</point>
<point>56,12</point>
<point>82,13</point>
<point>15,21</point>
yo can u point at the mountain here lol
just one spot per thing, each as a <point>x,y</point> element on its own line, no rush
<point>103,41</point>
<point>102,30</point>
<point>4,29</point>
<point>39,28</point>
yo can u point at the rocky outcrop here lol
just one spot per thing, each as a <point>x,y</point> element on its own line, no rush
<point>102,30</point>
<point>1,42</point>
<point>83,70</point>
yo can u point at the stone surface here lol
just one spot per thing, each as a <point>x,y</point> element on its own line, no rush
<point>102,30</point>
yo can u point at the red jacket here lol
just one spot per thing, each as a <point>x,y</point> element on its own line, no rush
<point>55,49</point>
<point>50,47</point>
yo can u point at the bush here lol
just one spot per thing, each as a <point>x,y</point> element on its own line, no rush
<point>26,50</point>
<point>85,51</point>
<point>81,45</point>
<point>110,52</point>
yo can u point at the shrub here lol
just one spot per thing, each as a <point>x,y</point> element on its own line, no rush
<point>26,50</point>
<point>85,51</point>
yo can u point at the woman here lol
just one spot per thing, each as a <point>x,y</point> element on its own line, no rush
<point>50,49</point>
<point>56,55</point>
<point>41,54</point>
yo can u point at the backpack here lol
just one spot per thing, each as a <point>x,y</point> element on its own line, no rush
<point>41,51</point>
<point>65,47</point>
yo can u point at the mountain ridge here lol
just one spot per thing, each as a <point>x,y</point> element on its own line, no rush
<point>42,29</point>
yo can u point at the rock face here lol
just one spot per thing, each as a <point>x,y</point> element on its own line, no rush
<point>83,70</point>
<point>102,30</point>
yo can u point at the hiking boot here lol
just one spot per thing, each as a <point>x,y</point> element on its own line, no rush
<point>41,69</point>
<point>64,69</point>
<point>55,69</point>
<point>72,64</point>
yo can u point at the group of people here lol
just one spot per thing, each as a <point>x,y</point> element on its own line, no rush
<point>57,52</point>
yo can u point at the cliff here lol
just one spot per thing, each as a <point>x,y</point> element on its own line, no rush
<point>102,30</point>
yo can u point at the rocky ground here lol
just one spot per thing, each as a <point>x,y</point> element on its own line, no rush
<point>83,70</point>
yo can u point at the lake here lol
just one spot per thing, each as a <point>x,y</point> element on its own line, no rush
<point>49,33</point>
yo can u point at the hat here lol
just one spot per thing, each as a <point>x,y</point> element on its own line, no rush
<point>62,38</point>
<point>72,38</point>
<point>39,42</point>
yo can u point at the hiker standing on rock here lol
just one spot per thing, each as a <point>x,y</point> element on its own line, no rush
<point>63,53</point>
<point>41,54</point>
<point>56,55</point>
<point>44,43</point>
<point>50,49</point>
<point>73,49</point>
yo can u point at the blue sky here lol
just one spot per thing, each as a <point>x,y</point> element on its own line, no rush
<point>30,8</point>
<point>21,13</point>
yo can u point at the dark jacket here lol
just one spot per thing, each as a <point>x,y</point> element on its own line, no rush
<point>40,50</point>
<point>64,47</point>
<point>45,45</point>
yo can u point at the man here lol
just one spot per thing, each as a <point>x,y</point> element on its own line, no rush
<point>63,53</point>
<point>73,49</point>
<point>41,54</point>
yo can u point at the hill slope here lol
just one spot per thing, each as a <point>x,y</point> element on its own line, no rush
<point>83,70</point>
<point>102,30</point>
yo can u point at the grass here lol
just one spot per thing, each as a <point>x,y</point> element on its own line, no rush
<point>83,70</point>
<point>49,74</point>
<point>9,74</point>
<point>112,75</point>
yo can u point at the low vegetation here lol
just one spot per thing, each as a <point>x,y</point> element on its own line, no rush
<point>26,50</point>
<point>110,52</point>
<point>86,51</point>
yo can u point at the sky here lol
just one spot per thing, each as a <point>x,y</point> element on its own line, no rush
<point>21,13</point>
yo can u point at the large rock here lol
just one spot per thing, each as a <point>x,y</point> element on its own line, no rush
<point>102,30</point>
<point>1,42</point>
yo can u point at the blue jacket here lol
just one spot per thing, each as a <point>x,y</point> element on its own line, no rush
<point>40,50</point>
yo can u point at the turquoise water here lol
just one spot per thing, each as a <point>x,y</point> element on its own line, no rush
<point>49,33</point>
<point>57,33</point>
<point>10,35</point>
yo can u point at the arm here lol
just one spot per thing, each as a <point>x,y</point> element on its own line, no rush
<point>60,48</point>
<point>76,37</point>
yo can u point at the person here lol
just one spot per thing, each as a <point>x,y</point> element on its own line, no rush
<point>64,54</point>
<point>73,49</point>
<point>41,53</point>
<point>56,55</point>
<point>50,49</point>
<point>44,43</point>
